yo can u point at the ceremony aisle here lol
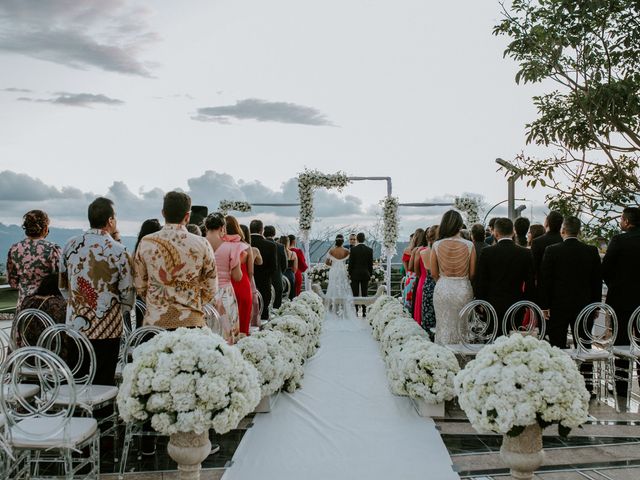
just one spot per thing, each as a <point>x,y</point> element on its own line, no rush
<point>343,424</point>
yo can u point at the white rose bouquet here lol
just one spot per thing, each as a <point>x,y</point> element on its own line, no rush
<point>379,272</point>
<point>422,370</point>
<point>319,273</point>
<point>398,331</point>
<point>265,351</point>
<point>380,302</point>
<point>188,380</point>
<point>518,381</point>
<point>313,301</point>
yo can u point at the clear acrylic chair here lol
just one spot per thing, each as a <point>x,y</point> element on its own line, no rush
<point>138,337</point>
<point>535,324</point>
<point>44,431</point>
<point>212,317</point>
<point>81,359</point>
<point>27,327</point>
<point>477,328</point>
<point>631,352</point>
<point>286,287</point>
<point>26,389</point>
<point>594,333</point>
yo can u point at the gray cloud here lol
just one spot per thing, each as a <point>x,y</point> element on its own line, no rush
<point>75,99</point>
<point>20,193</point>
<point>16,90</point>
<point>263,111</point>
<point>106,34</point>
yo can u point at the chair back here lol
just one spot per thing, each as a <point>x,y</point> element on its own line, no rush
<point>212,317</point>
<point>479,323</point>
<point>633,329</point>
<point>596,324</point>
<point>79,356</point>
<point>138,337</point>
<point>52,374</point>
<point>535,324</point>
<point>286,287</point>
<point>27,327</point>
<point>5,345</point>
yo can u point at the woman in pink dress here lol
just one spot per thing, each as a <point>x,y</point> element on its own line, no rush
<point>228,265</point>
<point>418,267</point>
<point>242,287</point>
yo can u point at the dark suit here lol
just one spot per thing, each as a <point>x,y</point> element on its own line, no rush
<point>621,273</point>
<point>570,279</point>
<point>539,245</point>
<point>479,246</point>
<point>276,279</point>
<point>263,274</point>
<point>360,271</point>
<point>504,276</point>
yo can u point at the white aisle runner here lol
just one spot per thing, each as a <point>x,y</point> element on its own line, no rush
<point>343,424</point>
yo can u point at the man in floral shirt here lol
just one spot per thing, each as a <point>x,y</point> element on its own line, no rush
<point>175,271</point>
<point>97,280</point>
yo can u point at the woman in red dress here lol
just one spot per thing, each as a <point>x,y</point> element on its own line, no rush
<point>242,287</point>
<point>302,263</point>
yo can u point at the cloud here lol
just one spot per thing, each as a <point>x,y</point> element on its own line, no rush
<point>263,111</point>
<point>16,90</point>
<point>20,192</point>
<point>76,99</point>
<point>105,34</point>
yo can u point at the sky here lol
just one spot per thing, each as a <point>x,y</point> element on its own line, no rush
<point>232,99</point>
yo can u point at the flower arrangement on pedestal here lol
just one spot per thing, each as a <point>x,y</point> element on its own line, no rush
<point>470,207</point>
<point>308,181</point>
<point>518,381</point>
<point>319,273</point>
<point>188,380</point>
<point>236,206</point>
<point>379,273</point>
<point>390,226</point>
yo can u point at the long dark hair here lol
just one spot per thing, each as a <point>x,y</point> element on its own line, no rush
<point>245,232</point>
<point>450,225</point>
<point>151,225</point>
<point>339,240</point>
<point>284,240</point>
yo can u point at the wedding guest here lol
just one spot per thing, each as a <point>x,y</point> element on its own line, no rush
<point>571,279</point>
<point>34,258</point>
<point>281,265</point>
<point>96,279</point>
<point>265,272</point>
<point>194,229</point>
<point>453,266</point>
<point>410,275</point>
<point>302,263</point>
<point>621,273</point>
<point>477,237</point>
<point>242,287</point>
<point>292,266</point>
<point>418,267</point>
<point>256,311</point>
<point>521,226</point>
<point>505,272</point>
<point>465,234</point>
<point>491,239</point>
<point>227,256</point>
<point>429,284</point>
<point>352,241</point>
<point>48,299</point>
<point>552,225</point>
<point>536,230</point>
<point>151,225</point>
<point>175,271</point>
<point>360,269</point>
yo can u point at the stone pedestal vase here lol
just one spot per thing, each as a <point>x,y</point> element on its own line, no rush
<point>523,454</point>
<point>188,450</point>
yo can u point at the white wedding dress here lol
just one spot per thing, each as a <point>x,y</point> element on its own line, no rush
<point>341,311</point>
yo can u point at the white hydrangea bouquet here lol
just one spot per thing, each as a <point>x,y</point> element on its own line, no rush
<point>188,380</point>
<point>378,305</point>
<point>313,320</point>
<point>313,301</point>
<point>423,370</point>
<point>398,331</point>
<point>518,381</point>
<point>266,351</point>
<point>389,312</point>
<point>319,273</point>
<point>297,329</point>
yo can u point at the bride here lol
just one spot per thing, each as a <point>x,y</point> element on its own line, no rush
<point>339,296</point>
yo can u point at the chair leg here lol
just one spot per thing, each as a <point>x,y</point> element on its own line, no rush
<point>612,368</point>
<point>68,465</point>
<point>125,450</point>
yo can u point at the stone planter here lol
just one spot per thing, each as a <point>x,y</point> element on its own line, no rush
<point>267,403</point>
<point>429,410</point>
<point>188,450</point>
<point>523,454</point>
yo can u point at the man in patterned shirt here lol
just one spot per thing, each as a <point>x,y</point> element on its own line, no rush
<point>96,278</point>
<point>174,270</point>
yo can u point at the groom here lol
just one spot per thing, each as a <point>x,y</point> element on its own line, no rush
<point>360,269</point>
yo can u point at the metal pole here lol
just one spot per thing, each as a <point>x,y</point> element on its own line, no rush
<point>511,197</point>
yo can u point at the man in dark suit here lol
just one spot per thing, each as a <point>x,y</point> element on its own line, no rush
<point>621,273</point>
<point>281,265</point>
<point>552,224</point>
<point>477,237</point>
<point>360,269</point>
<point>570,279</point>
<point>263,274</point>
<point>505,272</point>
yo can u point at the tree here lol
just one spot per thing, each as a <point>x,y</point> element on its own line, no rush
<point>590,50</point>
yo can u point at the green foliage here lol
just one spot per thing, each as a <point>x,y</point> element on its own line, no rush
<point>590,49</point>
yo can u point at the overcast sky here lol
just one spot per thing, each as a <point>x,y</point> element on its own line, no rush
<point>231,99</point>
